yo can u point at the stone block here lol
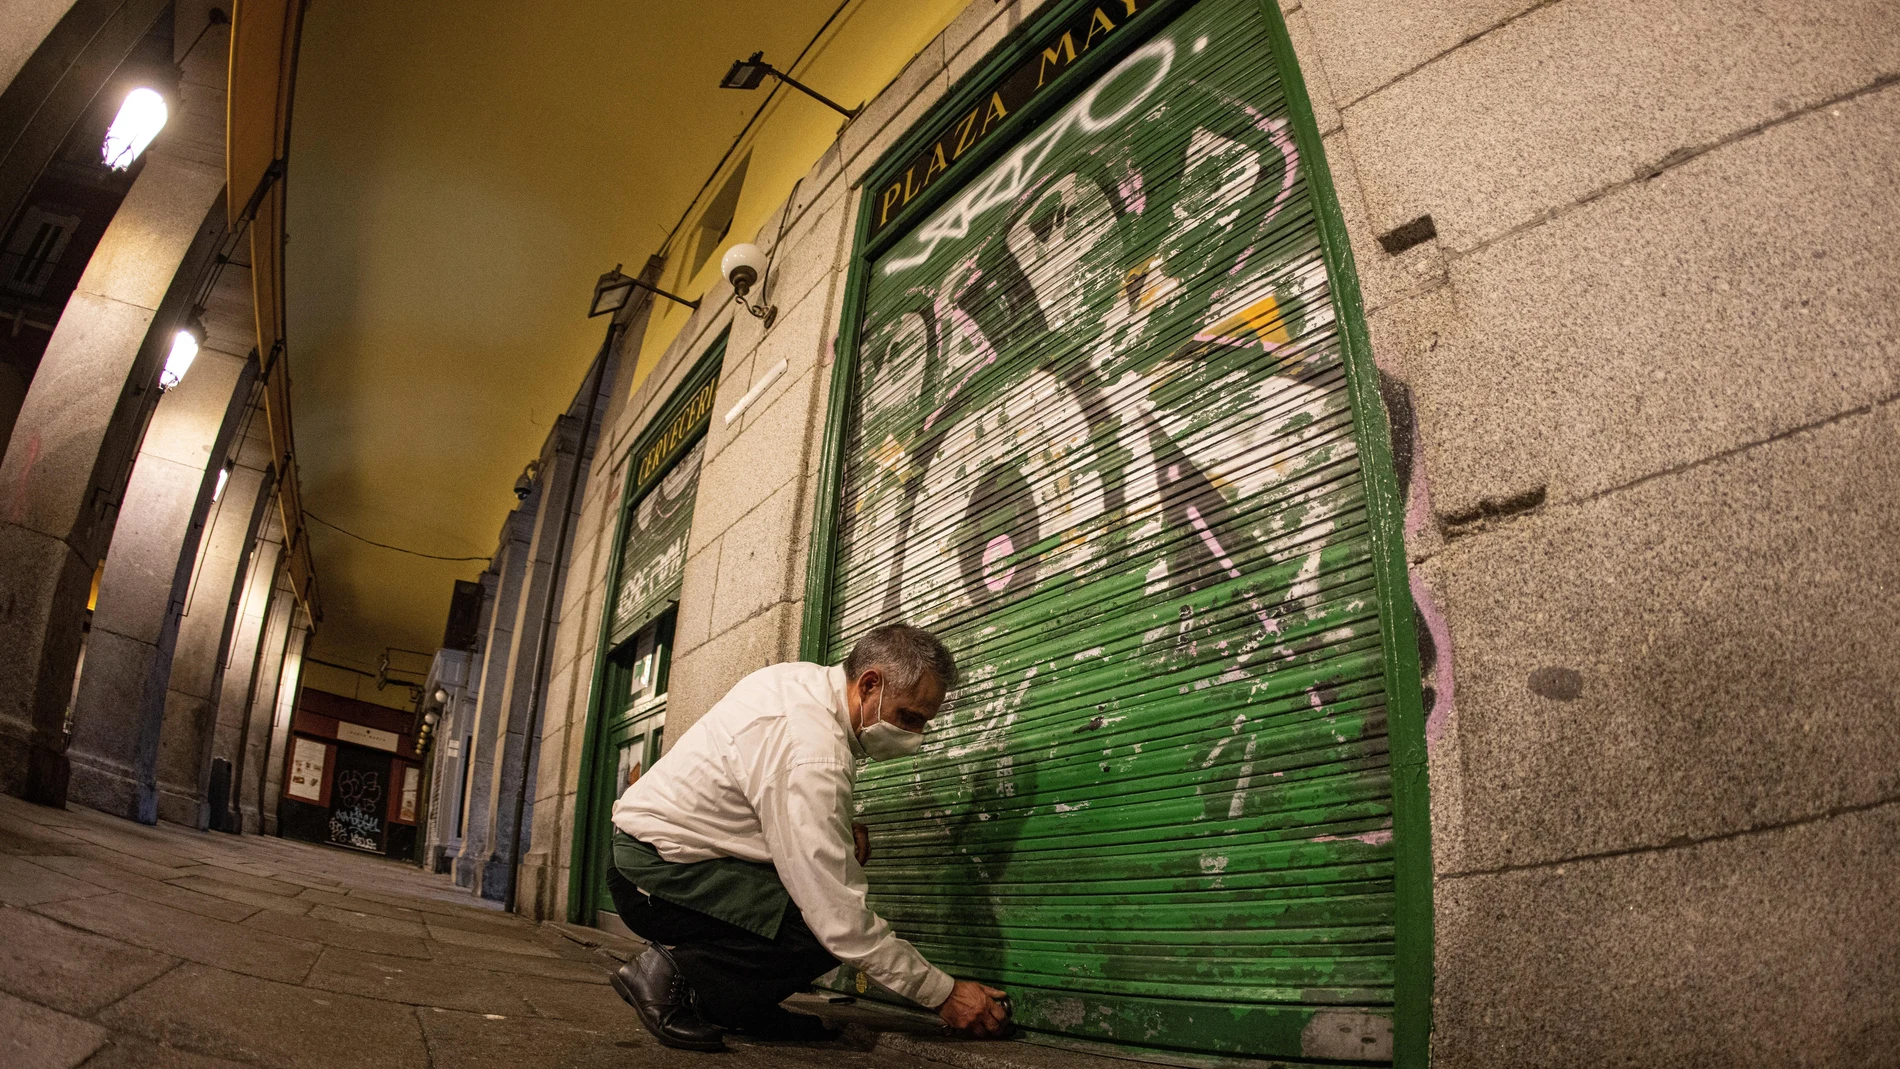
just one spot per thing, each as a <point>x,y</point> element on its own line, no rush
<point>309,929</point>
<point>114,875</point>
<point>131,1052</point>
<point>148,236</point>
<point>186,422</point>
<point>187,935</point>
<point>154,522</point>
<point>32,20</point>
<point>1319,87</point>
<point>181,757</point>
<point>1580,96</point>
<point>368,922</point>
<point>975,30</point>
<point>273,1024</point>
<point>893,110</point>
<point>418,983</point>
<point>1383,278</point>
<point>504,944</point>
<point>858,164</point>
<point>810,332</point>
<point>462,957</point>
<point>74,972</point>
<point>755,464</point>
<point>478,1042</point>
<point>1698,655</point>
<point>25,882</point>
<point>243,895</point>
<point>971,37</point>
<point>812,254</point>
<point>41,592</point>
<point>735,378</point>
<point>1369,43</point>
<point>50,460</point>
<point>755,558</point>
<point>1740,295</point>
<point>703,676</point>
<point>44,1039</point>
<point>1780,948</point>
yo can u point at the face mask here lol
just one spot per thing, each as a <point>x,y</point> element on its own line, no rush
<point>883,741</point>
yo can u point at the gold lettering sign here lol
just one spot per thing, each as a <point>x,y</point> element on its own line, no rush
<point>1040,69</point>
<point>693,418</point>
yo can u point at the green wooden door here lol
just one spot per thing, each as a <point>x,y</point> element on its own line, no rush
<point>631,705</point>
<point>1102,438</point>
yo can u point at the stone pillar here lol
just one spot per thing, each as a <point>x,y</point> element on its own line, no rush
<point>289,682</point>
<point>248,771</point>
<point>509,793</point>
<point>241,654</point>
<point>205,632</point>
<point>27,22</point>
<point>510,565</point>
<point>120,704</point>
<point>69,455</point>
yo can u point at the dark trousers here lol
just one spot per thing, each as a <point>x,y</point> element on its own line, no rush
<point>739,976</point>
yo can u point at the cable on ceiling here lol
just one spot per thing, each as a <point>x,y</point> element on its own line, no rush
<point>383,545</point>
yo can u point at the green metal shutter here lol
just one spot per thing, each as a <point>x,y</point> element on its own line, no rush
<point>1100,439</point>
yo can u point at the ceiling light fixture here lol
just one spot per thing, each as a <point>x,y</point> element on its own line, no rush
<point>613,290</point>
<point>748,73</point>
<point>140,119</point>
<point>185,344</point>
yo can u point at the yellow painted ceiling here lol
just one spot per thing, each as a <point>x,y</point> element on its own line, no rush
<point>459,175</point>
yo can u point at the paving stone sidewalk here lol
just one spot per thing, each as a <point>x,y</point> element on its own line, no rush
<point>166,948</point>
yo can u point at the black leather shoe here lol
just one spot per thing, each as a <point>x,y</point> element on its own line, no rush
<point>653,986</point>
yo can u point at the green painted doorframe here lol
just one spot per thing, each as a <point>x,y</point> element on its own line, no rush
<point>1413,951</point>
<point>584,868</point>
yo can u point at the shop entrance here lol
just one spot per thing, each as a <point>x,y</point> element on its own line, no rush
<point>1108,433</point>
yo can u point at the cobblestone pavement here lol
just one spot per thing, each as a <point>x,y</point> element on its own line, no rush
<point>165,948</point>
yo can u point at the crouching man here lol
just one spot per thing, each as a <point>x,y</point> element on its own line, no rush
<point>736,856</point>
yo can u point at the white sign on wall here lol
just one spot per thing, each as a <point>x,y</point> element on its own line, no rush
<point>306,771</point>
<point>362,736</point>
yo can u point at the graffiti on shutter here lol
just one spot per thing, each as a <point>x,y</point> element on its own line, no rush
<point>1101,441</point>
<point>654,556</point>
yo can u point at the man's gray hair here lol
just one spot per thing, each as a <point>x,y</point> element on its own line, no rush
<point>903,653</point>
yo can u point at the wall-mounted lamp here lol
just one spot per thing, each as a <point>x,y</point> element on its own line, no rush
<point>613,290</point>
<point>185,344</point>
<point>140,119</point>
<point>748,73</point>
<point>224,476</point>
<point>744,266</point>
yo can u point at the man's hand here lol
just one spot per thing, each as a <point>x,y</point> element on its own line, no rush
<point>975,1009</point>
<point>861,835</point>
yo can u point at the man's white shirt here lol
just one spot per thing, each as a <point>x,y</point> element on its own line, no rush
<point>766,775</point>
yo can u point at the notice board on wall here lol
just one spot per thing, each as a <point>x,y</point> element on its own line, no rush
<point>305,782</point>
<point>408,798</point>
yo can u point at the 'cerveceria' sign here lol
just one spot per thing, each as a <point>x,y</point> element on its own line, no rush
<point>1013,91</point>
<point>686,425</point>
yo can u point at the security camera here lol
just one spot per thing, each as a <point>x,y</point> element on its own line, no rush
<point>744,267</point>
